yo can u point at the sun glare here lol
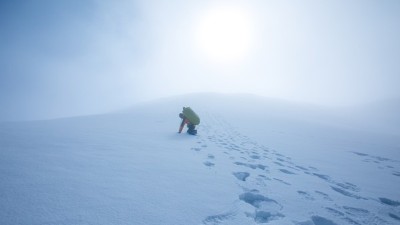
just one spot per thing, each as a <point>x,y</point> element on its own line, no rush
<point>224,35</point>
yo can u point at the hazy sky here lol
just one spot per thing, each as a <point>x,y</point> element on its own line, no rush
<point>72,57</point>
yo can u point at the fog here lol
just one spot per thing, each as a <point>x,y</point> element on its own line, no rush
<point>67,58</point>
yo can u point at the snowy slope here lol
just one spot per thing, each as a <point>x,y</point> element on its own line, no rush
<point>254,161</point>
<point>381,115</point>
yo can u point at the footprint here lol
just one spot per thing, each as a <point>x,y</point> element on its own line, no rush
<point>255,199</point>
<point>286,171</point>
<point>252,166</point>
<point>281,160</point>
<point>394,216</point>
<point>348,186</point>
<point>241,175</point>
<point>279,164</point>
<point>356,211</point>
<point>210,156</point>
<point>322,176</point>
<point>313,168</point>
<point>390,202</point>
<point>255,157</point>
<point>335,212</point>
<point>207,163</point>
<point>351,221</point>
<point>324,195</point>
<point>216,219</point>
<point>346,193</point>
<point>283,182</point>
<point>266,209</point>
<point>306,195</point>
<point>396,174</point>
<point>382,159</point>
<point>360,153</point>
<point>302,168</point>
<point>265,216</point>
<point>319,220</point>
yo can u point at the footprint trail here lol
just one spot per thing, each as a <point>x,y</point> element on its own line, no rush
<point>263,174</point>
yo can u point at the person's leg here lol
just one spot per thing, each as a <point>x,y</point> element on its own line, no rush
<point>191,129</point>
<point>191,126</point>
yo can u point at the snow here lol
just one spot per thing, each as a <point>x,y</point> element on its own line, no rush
<point>254,161</point>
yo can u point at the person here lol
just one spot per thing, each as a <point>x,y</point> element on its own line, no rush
<point>190,118</point>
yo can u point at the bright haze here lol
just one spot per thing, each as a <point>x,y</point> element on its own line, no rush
<point>76,57</point>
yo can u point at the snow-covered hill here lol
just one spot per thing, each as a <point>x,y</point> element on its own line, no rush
<point>381,115</point>
<point>254,160</point>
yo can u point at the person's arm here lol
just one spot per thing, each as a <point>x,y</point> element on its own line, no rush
<point>182,125</point>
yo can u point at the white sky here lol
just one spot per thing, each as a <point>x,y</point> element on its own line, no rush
<point>62,58</point>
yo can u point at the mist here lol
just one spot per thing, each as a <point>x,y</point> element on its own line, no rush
<point>69,58</point>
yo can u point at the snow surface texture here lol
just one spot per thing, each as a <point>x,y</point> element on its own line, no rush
<point>252,162</point>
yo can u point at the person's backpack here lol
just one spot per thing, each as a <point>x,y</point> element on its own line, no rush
<point>191,115</point>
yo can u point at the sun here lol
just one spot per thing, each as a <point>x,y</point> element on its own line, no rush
<point>224,34</point>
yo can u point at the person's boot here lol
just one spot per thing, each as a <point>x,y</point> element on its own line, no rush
<point>192,132</point>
